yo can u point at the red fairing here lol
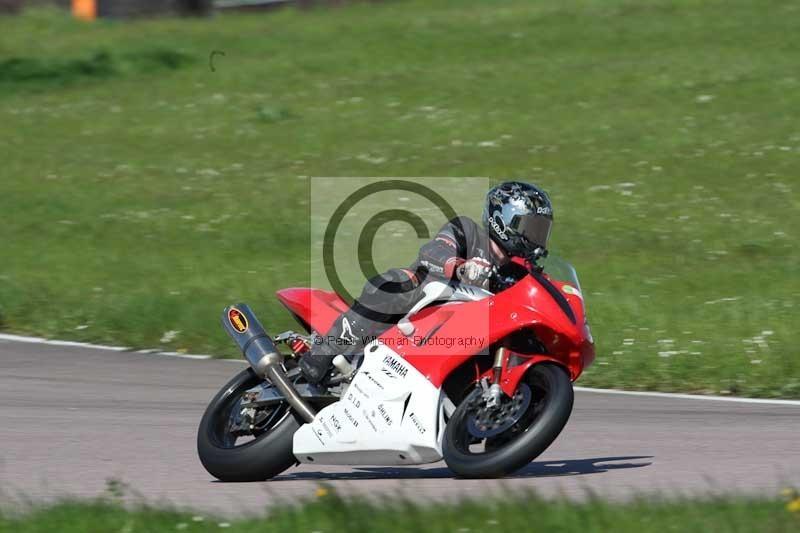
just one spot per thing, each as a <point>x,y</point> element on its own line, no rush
<point>575,299</point>
<point>445,336</point>
<point>315,308</point>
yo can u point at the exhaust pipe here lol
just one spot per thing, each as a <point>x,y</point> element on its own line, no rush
<point>244,328</point>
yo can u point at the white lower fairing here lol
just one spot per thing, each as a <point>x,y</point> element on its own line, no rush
<point>388,415</point>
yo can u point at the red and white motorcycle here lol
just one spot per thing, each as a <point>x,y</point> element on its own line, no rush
<point>480,379</point>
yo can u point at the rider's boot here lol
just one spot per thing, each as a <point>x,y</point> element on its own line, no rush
<point>346,337</point>
<point>316,363</point>
<point>384,300</point>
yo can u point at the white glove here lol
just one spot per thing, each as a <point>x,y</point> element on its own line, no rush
<point>475,271</point>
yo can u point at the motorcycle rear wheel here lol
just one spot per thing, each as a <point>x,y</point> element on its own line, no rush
<point>265,456</point>
<point>538,426</point>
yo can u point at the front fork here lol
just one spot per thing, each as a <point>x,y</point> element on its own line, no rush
<point>493,393</point>
<point>503,380</point>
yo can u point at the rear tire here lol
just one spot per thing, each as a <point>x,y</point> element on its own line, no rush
<point>264,457</point>
<point>512,450</point>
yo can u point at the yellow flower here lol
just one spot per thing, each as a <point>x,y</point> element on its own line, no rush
<point>793,506</point>
<point>321,492</point>
<point>789,493</point>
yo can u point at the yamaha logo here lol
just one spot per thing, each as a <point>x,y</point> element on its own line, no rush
<point>396,366</point>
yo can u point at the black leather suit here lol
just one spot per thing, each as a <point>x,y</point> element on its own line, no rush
<point>386,298</point>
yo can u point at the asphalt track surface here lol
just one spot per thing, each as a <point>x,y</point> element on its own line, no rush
<point>73,417</point>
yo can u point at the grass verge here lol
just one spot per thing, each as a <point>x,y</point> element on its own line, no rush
<point>330,514</point>
<point>139,198</point>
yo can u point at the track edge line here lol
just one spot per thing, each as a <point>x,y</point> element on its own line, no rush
<point>685,396</point>
<point>675,395</point>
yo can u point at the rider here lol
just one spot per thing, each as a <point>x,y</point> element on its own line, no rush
<point>516,223</point>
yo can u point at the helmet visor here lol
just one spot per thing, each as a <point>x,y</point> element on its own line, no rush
<point>535,229</point>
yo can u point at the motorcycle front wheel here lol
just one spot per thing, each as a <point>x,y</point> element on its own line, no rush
<point>262,451</point>
<point>484,442</point>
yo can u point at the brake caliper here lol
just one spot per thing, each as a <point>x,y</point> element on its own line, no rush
<point>488,420</point>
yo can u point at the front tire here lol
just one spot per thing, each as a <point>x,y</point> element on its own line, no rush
<point>265,456</point>
<point>550,398</point>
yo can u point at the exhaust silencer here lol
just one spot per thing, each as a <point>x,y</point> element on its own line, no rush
<point>244,328</point>
<point>256,345</point>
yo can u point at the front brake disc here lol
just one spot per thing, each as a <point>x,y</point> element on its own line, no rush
<point>484,422</point>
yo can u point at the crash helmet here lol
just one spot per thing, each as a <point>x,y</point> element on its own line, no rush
<point>518,217</point>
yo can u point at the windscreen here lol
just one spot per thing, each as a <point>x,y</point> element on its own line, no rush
<point>561,270</point>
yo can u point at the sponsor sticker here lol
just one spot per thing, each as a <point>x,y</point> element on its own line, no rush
<point>569,289</point>
<point>347,332</point>
<point>352,398</point>
<point>370,422</point>
<point>417,423</point>
<point>395,366</point>
<point>350,418</point>
<point>238,320</point>
<point>326,428</point>
<point>371,379</point>
<point>360,390</point>
<point>384,415</point>
<point>498,225</point>
<point>431,267</point>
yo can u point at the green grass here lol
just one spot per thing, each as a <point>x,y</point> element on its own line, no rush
<point>331,514</point>
<point>37,73</point>
<point>141,195</point>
